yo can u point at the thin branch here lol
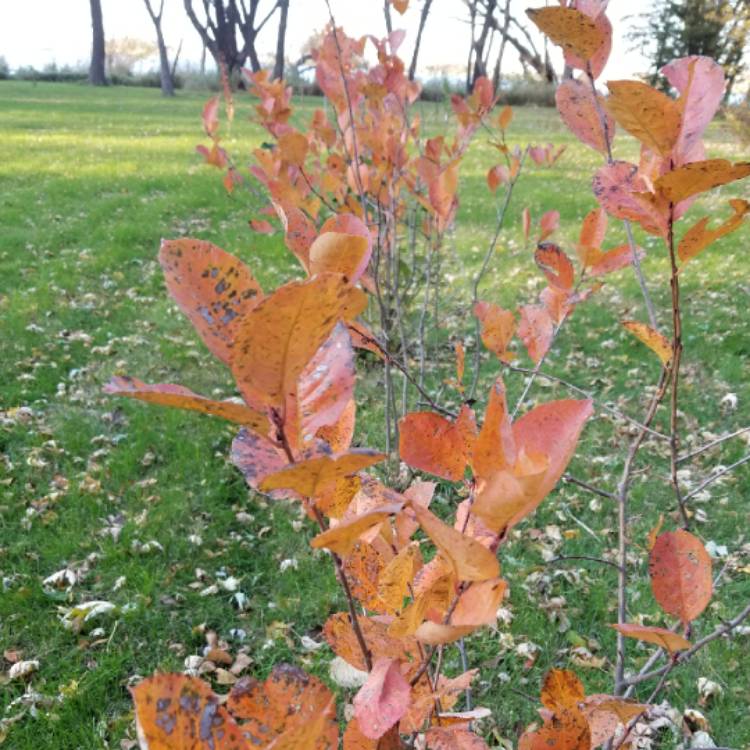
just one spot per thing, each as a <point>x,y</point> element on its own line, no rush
<point>713,443</point>
<point>485,264</point>
<point>600,560</point>
<point>683,656</point>
<point>586,394</point>
<point>715,476</point>
<point>569,479</point>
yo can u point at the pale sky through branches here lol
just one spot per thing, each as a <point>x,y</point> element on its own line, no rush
<point>38,32</point>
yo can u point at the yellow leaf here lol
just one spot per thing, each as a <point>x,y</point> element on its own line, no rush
<point>699,176</point>
<point>649,115</point>
<point>698,237</point>
<point>660,636</point>
<point>570,29</point>
<point>651,338</point>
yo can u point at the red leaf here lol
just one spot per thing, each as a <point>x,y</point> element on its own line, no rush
<point>211,116</point>
<point>498,326</point>
<point>578,109</point>
<point>680,570</point>
<point>548,224</point>
<point>382,700</point>
<point>556,265</point>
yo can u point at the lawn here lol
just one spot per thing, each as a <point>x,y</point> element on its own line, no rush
<point>142,507</point>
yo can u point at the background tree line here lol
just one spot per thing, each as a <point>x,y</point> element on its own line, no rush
<point>230,30</point>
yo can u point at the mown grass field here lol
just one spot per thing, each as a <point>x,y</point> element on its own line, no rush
<point>90,180</point>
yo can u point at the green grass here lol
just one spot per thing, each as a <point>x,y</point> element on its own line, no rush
<point>90,180</point>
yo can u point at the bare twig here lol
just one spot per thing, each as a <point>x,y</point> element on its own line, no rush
<point>716,475</point>
<point>601,560</point>
<point>712,444</point>
<point>569,479</point>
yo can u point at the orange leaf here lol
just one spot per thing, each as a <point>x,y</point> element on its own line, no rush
<point>363,566</point>
<point>561,689</point>
<point>342,537</point>
<point>647,114</point>
<point>291,709</point>
<point>438,633</point>
<point>593,230</point>
<point>680,570</point>
<point>699,176</point>
<point>179,397</point>
<point>213,288</point>
<point>555,265</point>
<point>478,604</point>
<point>400,5</point>
<point>310,477</point>
<point>293,147</point>
<point>698,237</point>
<point>566,730</point>
<point>355,740</point>
<point>394,579</point>
<point>454,738</point>
<point>614,260</point>
<point>340,637</point>
<point>505,117</point>
<point>173,710</point>
<point>578,109</point>
<point>605,714</point>
<point>535,331</point>
<point>667,639</point>
<point>278,338</point>
<point>651,338</point>
<point>432,443</point>
<point>335,252</point>
<point>257,457</point>
<point>494,448</point>
<point>469,559</point>
<point>570,29</point>
<point>210,116</point>
<point>526,222</point>
<point>548,224</point>
<point>498,326</point>
<point>383,699</point>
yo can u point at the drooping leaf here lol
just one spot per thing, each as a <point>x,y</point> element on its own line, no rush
<point>593,231</point>
<point>599,59</point>
<point>578,109</point>
<point>667,639</point>
<point>438,633</point>
<point>654,340</point>
<point>383,699</point>
<point>180,397</point>
<point>291,709</point>
<point>606,713</point>
<point>469,559</point>
<point>566,730</point>
<point>555,265</point>
<point>400,5</point>
<point>355,740</point>
<point>326,385</point>
<point>342,537</point>
<point>210,116</point>
<point>495,447</point>
<point>535,330</point>
<point>334,252</point>
<point>432,443</point>
<point>213,288</point>
<point>177,711</point>
<point>278,338</point>
<point>311,476</point>
<point>561,689</point>
<point>700,81</point>
<point>680,570</point>
<point>572,30</point>
<point>647,114</point>
<point>698,177</point>
<point>478,604</point>
<point>699,237</point>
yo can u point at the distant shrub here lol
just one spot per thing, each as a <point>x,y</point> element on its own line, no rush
<point>51,72</point>
<point>4,69</point>
<point>523,92</point>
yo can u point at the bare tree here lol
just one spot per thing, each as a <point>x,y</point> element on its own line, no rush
<point>167,78</point>
<point>422,22</point>
<point>229,29</point>
<point>278,68</point>
<point>98,52</point>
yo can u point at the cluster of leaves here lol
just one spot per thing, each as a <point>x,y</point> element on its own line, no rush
<point>415,581</point>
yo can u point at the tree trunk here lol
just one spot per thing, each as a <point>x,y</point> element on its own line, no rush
<point>388,17</point>
<point>278,68</point>
<point>96,70</point>
<point>422,22</point>
<point>167,81</point>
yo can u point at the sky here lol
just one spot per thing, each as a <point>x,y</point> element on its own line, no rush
<point>38,32</point>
